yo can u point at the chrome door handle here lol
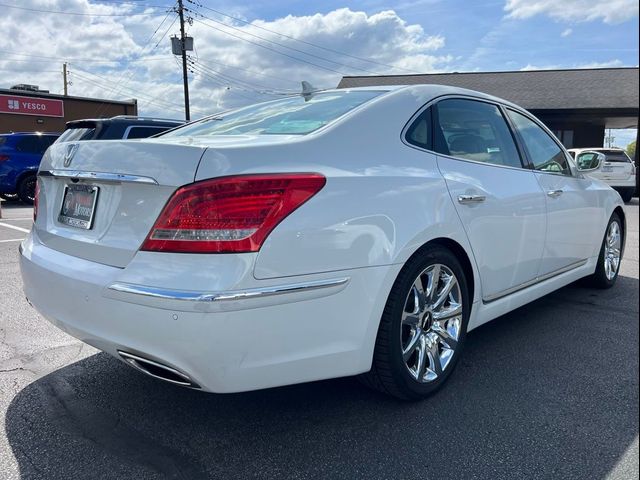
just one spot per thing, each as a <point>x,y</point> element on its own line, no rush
<point>469,199</point>
<point>555,193</point>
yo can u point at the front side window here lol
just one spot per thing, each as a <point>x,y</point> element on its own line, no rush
<point>290,116</point>
<point>475,131</point>
<point>544,152</point>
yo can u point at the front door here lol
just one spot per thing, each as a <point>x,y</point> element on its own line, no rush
<point>572,208</point>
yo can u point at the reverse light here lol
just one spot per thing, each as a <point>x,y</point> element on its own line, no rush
<point>229,214</point>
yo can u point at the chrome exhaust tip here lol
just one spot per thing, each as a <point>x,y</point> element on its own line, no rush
<point>158,370</point>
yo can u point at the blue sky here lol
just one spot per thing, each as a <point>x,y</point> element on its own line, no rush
<point>251,51</point>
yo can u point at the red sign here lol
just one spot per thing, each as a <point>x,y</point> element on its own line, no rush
<point>42,107</point>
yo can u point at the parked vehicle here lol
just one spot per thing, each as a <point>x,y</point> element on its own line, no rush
<point>611,165</point>
<point>20,155</point>
<point>345,232</point>
<point>116,128</point>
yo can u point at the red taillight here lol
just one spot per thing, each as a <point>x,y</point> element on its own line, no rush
<point>4,158</point>
<point>229,214</point>
<point>36,196</point>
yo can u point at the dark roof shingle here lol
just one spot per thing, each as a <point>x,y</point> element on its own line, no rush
<point>534,90</point>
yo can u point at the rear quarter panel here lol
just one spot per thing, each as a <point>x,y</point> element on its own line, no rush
<point>383,200</point>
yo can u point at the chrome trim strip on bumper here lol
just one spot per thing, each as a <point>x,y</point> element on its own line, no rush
<point>496,296</point>
<point>99,176</point>
<point>191,296</point>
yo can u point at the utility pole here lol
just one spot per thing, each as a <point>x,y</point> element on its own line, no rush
<point>185,79</point>
<point>64,78</point>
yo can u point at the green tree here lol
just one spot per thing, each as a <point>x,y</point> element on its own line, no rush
<point>631,149</point>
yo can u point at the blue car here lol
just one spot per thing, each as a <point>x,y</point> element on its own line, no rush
<point>20,155</point>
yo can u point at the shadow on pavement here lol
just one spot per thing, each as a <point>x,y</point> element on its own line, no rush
<point>548,391</point>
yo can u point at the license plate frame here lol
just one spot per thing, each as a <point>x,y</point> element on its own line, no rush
<point>80,218</point>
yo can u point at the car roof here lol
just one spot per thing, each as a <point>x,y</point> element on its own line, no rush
<point>127,120</point>
<point>434,89</point>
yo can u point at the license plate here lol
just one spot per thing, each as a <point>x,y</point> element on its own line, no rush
<point>78,206</point>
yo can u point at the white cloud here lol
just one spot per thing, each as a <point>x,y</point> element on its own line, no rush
<point>566,32</point>
<point>228,71</point>
<point>609,11</point>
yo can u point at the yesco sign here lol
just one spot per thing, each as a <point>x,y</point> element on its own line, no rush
<point>42,107</point>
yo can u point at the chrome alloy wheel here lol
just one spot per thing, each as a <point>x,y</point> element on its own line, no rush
<point>431,322</point>
<point>612,250</point>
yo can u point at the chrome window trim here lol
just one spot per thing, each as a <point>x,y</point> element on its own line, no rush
<point>99,176</point>
<point>195,296</point>
<point>435,100</point>
<point>496,296</point>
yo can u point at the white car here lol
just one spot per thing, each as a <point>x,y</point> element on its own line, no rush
<point>345,232</point>
<point>611,165</point>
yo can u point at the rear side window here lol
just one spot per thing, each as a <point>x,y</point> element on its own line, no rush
<point>290,116</point>
<point>144,132</point>
<point>3,140</point>
<point>419,133</point>
<point>544,152</point>
<point>474,131</point>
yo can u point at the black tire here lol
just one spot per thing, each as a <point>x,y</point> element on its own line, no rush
<point>627,195</point>
<point>389,373</point>
<point>9,197</point>
<point>600,279</point>
<point>27,189</point>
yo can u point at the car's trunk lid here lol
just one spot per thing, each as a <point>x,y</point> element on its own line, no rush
<point>133,180</point>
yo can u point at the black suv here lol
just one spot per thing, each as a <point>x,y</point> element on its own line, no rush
<point>115,128</point>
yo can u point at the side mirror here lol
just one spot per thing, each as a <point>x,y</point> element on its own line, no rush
<point>589,161</point>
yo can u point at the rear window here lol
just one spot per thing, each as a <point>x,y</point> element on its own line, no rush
<point>616,156</point>
<point>35,143</point>
<point>289,116</point>
<point>76,134</point>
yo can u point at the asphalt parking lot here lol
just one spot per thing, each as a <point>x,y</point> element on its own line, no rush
<point>547,391</point>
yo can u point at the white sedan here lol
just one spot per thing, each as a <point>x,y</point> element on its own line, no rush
<point>345,232</point>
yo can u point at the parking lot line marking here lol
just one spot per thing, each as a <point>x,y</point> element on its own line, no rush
<point>20,229</point>
<point>12,240</point>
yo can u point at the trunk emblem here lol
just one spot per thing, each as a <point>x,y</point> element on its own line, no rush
<point>71,151</point>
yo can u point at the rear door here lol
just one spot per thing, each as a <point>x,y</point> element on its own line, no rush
<point>499,202</point>
<point>573,214</point>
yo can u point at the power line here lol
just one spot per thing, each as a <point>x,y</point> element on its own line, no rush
<point>271,49</point>
<point>281,45</point>
<point>253,86</point>
<point>104,84</point>
<point>327,49</point>
<point>81,14</point>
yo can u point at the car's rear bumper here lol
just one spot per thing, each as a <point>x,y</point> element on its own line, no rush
<point>273,333</point>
